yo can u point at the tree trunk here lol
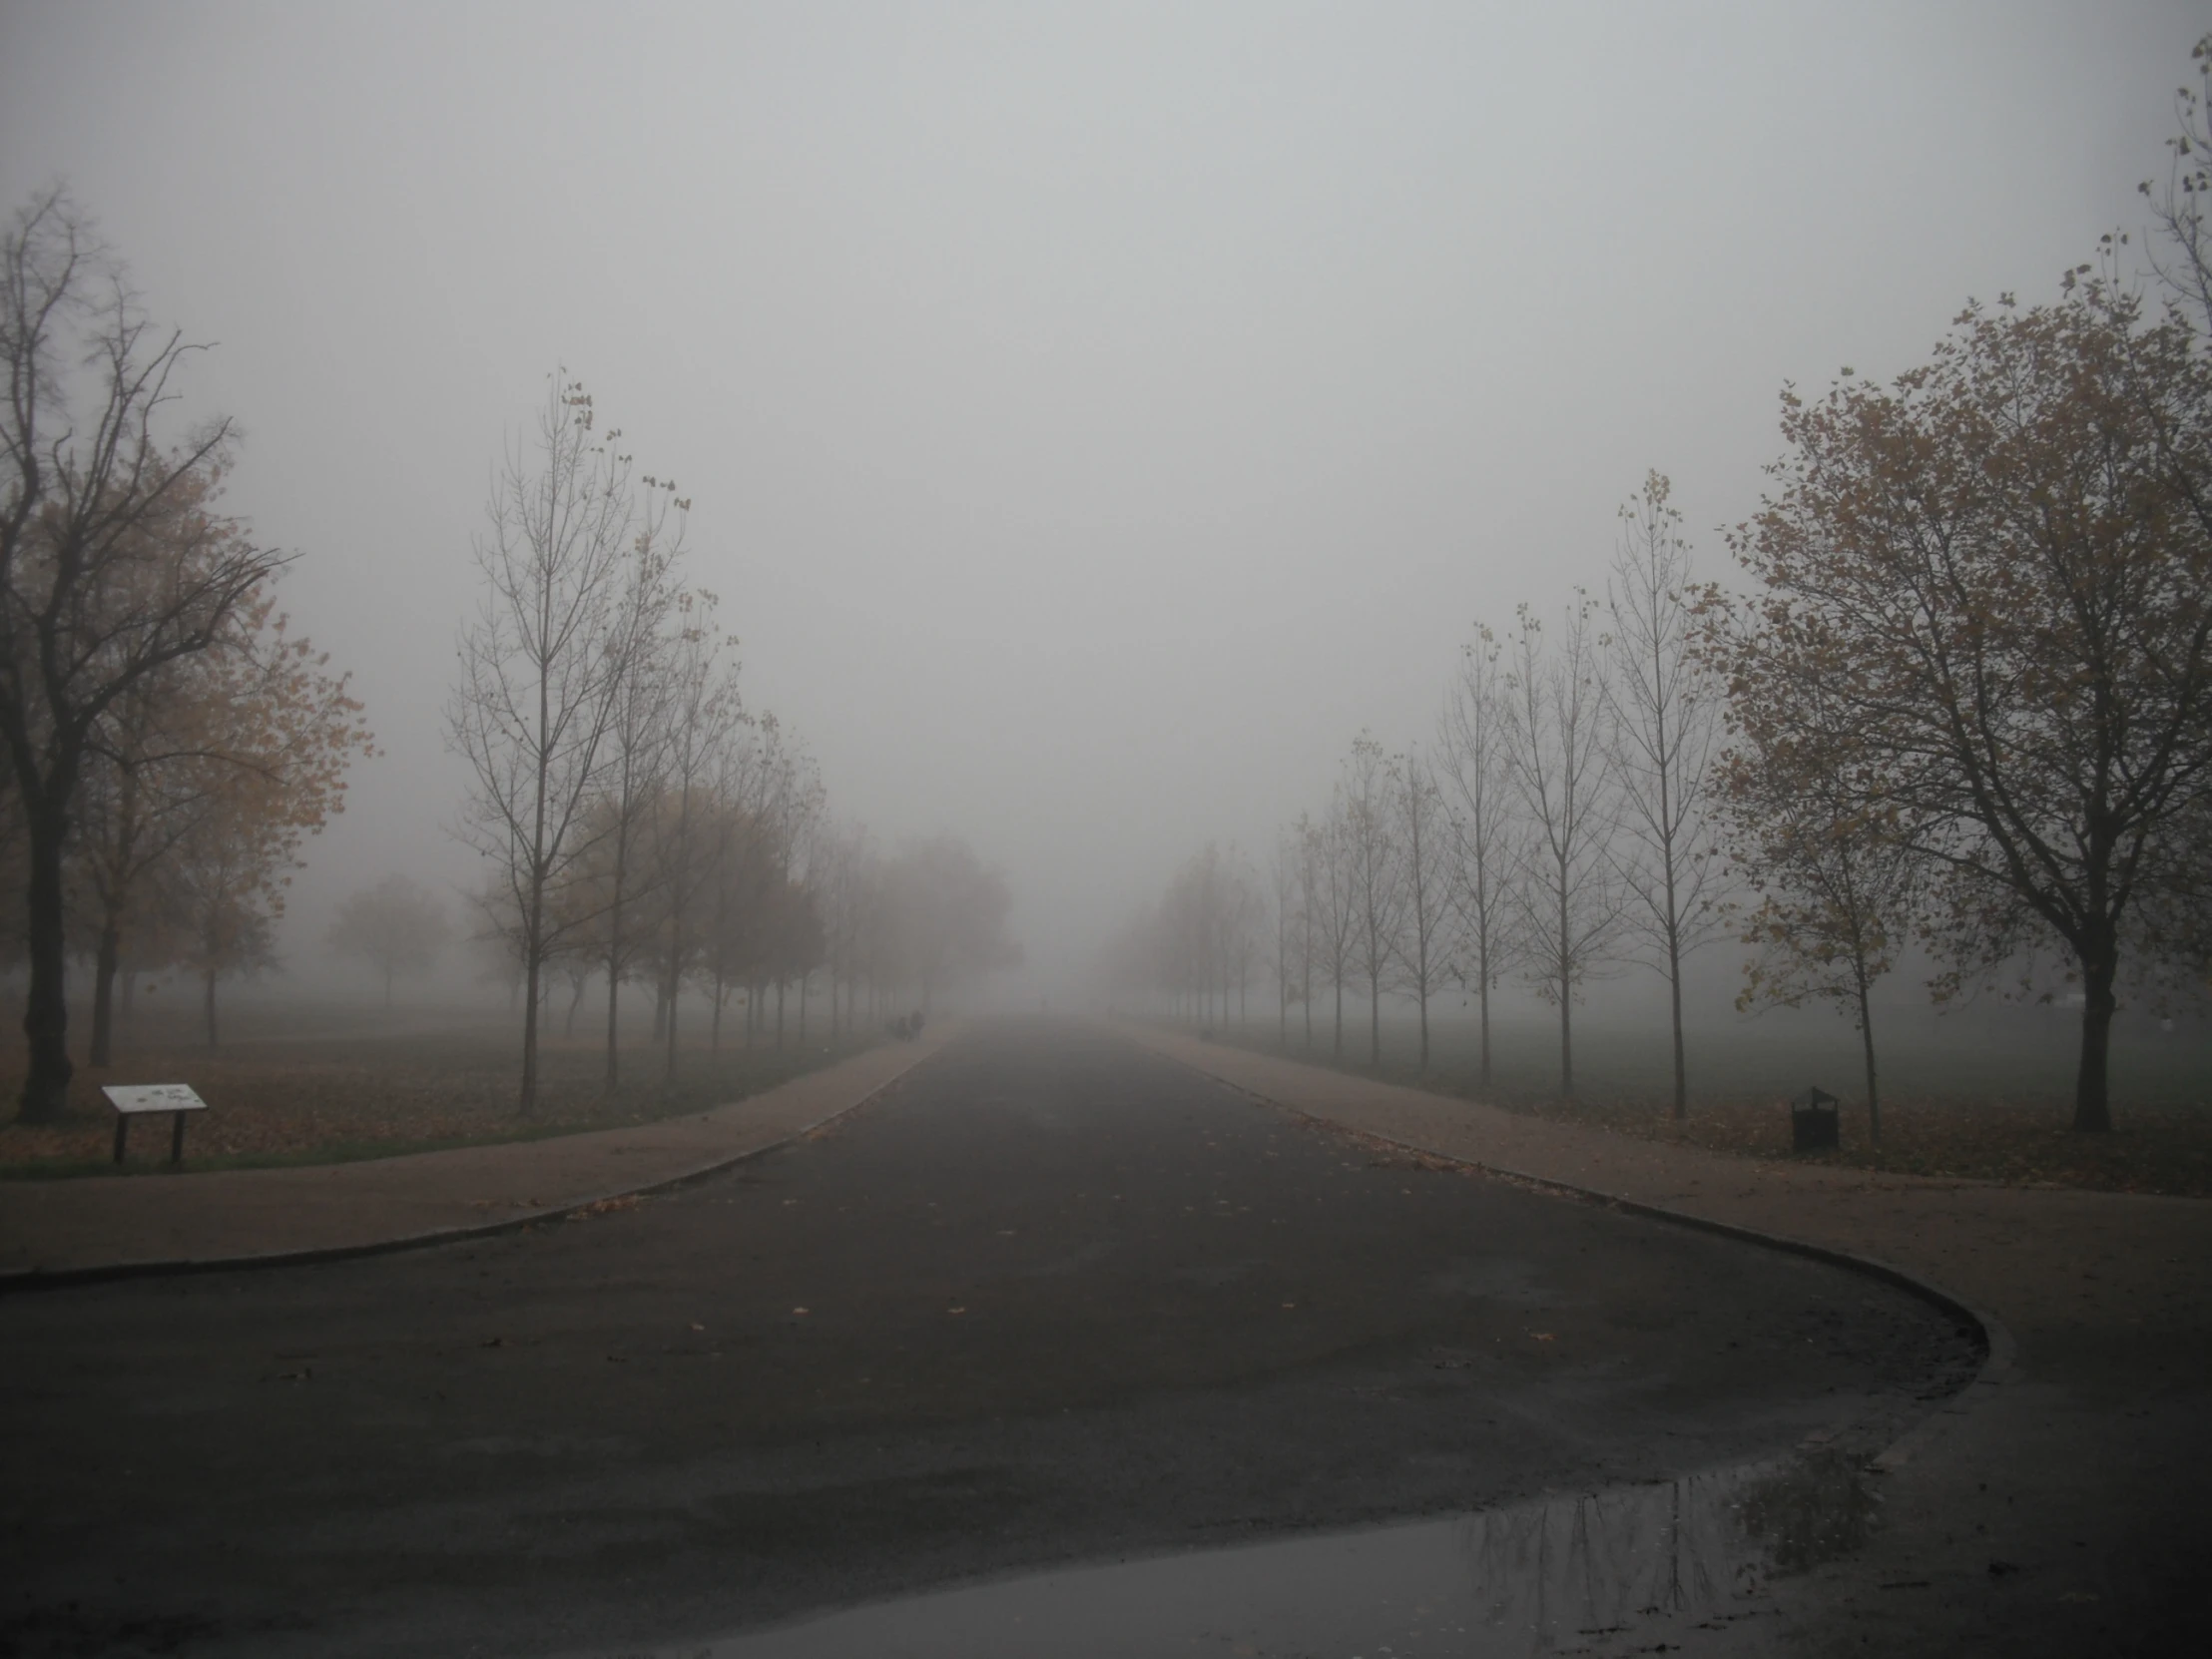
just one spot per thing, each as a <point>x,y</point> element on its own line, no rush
<point>45,1008</point>
<point>614,992</point>
<point>2093,1100</point>
<point>673,991</point>
<point>803,980</point>
<point>1375,1021</point>
<point>207,983</point>
<point>1866,1042</point>
<point>1566,1048</point>
<point>1337,1049</point>
<point>1482,999</point>
<point>780,1013</point>
<point>103,995</point>
<point>1566,994</point>
<point>526,1098</point>
<point>1674,988</point>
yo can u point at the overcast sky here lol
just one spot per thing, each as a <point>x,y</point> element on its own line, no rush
<point>1095,415</point>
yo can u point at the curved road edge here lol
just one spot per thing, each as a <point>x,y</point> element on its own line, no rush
<point>1999,1349</point>
<point>90,1230</point>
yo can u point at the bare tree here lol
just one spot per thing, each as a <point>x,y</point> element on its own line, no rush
<point>637,752</point>
<point>1244,908</point>
<point>705,717</point>
<point>1475,766</point>
<point>1664,716</point>
<point>1376,858</point>
<point>397,927</point>
<point>1559,755</point>
<point>1307,838</point>
<point>1285,874</point>
<point>541,666</point>
<point>2179,205</point>
<point>90,606</point>
<point>844,875</point>
<point>136,805</point>
<point>1427,887</point>
<point>1337,911</point>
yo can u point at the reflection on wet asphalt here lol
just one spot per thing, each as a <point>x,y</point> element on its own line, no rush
<point>1599,1573</point>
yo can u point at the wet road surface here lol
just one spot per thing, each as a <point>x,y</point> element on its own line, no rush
<point>1051,1301</point>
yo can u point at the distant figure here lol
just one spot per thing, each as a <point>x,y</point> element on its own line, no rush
<point>914,1023</point>
<point>898,1028</point>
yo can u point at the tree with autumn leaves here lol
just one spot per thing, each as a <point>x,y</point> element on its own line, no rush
<point>1971,697</point>
<point>148,691</point>
<point>1981,632</point>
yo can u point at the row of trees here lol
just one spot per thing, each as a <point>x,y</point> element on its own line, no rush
<point>1959,698</point>
<point>170,742</point>
<point>640,823</point>
<point>1555,825</point>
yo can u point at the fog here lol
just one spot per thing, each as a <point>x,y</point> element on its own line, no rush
<point>1095,417</point>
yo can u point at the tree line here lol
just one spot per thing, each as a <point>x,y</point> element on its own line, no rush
<point>170,740</point>
<point>639,824</point>
<point>1958,695</point>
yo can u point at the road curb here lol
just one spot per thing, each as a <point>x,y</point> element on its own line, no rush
<point>2000,1352</point>
<point>22,1281</point>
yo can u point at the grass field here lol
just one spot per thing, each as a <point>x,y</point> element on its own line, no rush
<point>1981,1099</point>
<point>309,1084</point>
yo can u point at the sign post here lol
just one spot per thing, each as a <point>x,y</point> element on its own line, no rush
<point>131,1099</point>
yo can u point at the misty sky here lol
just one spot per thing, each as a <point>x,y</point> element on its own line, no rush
<point>1095,415</point>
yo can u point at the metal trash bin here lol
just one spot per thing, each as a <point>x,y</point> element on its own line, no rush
<point>1813,1122</point>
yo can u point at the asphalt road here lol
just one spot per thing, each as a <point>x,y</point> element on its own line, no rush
<point>1053,1299</point>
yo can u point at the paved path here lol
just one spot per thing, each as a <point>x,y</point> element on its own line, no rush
<point>124,1222</point>
<point>2058,1515</point>
<point>2061,1513</point>
<point>1055,1300</point>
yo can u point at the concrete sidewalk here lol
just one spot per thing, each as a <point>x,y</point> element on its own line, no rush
<point>2056,1513</point>
<point>60,1230</point>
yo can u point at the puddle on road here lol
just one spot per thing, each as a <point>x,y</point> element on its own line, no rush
<point>1600,1573</point>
